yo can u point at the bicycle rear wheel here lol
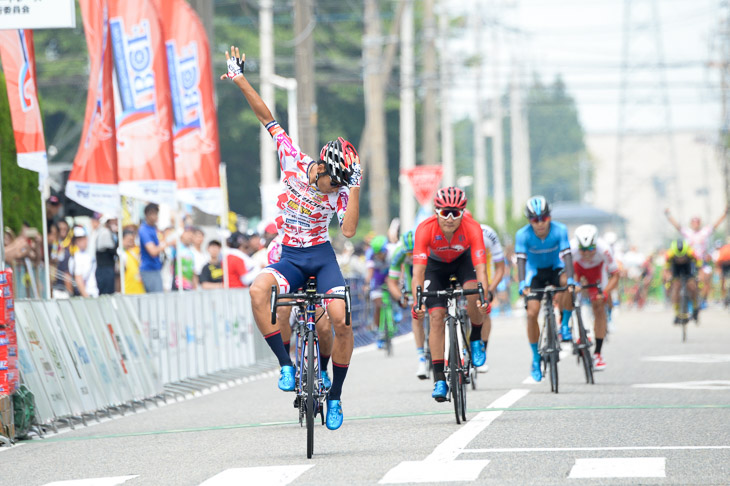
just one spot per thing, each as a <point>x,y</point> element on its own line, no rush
<point>684,308</point>
<point>309,394</point>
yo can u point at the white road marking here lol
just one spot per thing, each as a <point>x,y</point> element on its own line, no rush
<point>450,449</point>
<point>593,449</point>
<point>691,358</point>
<point>689,385</point>
<point>260,476</point>
<point>441,465</point>
<point>619,467</point>
<point>111,481</point>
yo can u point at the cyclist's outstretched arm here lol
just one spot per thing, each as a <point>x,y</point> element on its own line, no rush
<point>235,62</point>
<point>568,260</point>
<point>673,221</point>
<point>720,220</point>
<point>352,213</point>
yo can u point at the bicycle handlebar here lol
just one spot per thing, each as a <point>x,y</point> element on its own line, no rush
<point>549,289</point>
<point>449,293</point>
<point>299,298</point>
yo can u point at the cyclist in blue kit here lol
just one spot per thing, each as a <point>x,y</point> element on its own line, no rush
<point>543,258</point>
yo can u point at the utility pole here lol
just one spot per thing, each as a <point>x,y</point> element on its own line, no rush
<point>376,154</point>
<point>521,181</point>
<point>724,33</point>
<point>480,154</point>
<point>205,11</point>
<point>497,145</point>
<point>304,24</point>
<point>266,38</point>
<point>430,77</point>
<point>407,117</point>
<point>447,130</point>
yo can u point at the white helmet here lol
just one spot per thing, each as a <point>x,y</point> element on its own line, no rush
<point>586,235</point>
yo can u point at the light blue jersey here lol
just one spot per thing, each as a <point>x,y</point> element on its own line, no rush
<point>542,253</point>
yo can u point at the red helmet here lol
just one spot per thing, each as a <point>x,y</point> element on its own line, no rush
<point>450,197</point>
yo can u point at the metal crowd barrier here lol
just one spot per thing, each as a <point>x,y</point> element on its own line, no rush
<point>83,358</point>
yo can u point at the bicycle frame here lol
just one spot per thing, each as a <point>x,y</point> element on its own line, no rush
<point>549,346</point>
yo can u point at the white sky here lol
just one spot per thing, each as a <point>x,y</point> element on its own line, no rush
<point>583,40</point>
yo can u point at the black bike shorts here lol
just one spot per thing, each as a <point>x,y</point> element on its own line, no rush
<point>438,273</point>
<point>543,278</point>
<point>725,269</point>
<point>683,270</point>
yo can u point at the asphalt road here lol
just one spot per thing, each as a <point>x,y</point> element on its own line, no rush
<point>659,414</point>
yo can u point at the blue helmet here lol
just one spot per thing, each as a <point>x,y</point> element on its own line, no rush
<point>537,207</point>
<point>408,240</point>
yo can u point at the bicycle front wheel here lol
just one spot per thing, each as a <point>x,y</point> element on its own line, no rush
<point>554,352</point>
<point>309,394</point>
<point>585,352</point>
<point>454,378</point>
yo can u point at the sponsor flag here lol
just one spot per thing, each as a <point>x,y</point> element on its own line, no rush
<point>143,108</point>
<point>18,62</point>
<point>195,127</point>
<point>93,179</point>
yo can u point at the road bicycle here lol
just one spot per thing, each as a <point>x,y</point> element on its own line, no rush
<point>549,345</point>
<point>685,306</point>
<point>386,329</point>
<point>459,367</point>
<point>582,347</point>
<point>309,387</point>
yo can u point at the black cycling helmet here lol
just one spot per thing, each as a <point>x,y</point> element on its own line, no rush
<point>332,156</point>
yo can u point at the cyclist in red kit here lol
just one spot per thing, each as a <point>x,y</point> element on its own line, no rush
<point>450,243</point>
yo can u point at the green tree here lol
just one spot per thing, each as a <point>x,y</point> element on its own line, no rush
<point>21,200</point>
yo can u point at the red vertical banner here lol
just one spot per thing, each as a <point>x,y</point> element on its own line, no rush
<point>93,179</point>
<point>195,126</point>
<point>143,107</point>
<point>18,62</point>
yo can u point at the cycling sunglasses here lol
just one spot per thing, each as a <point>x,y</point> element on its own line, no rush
<point>450,213</point>
<point>539,219</point>
<point>588,248</point>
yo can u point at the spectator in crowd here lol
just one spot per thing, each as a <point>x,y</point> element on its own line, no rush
<point>61,286</point>
<point>211,276</point>
<point>15,248</point>
<point>240,266</point>
<point>167,256</point>
<point>107,243</point>
<point>184,270</point>
<point>131,257</point>
<point>83,265</point>
<point>150,250</point>
<point>201,259</point>
<point>53,207</point>
<point>96,225</point>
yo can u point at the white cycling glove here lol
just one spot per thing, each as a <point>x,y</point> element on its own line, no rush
<point>235,67</point>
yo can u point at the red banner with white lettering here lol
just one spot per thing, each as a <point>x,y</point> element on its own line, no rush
<point>195,126</point>
<point>18,62</point>
<point>93,179</point>
<point>425,180</point>
<point>145,165</point>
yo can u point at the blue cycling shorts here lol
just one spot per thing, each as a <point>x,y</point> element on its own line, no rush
<point>298,264</point>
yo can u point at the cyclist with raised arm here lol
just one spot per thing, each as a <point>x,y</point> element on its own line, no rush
<point>401,268</point>
<point>681,261</point>
<point>543,258</point>
<point>698,238</point>
<point>313,192</point>
<point>495,258</point>
<point>449,243</point>
<point>593,263</point>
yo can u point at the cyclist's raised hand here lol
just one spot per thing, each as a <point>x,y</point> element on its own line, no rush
<point>234,63</point>
<point>353,160</point>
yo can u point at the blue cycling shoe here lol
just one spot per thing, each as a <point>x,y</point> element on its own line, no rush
<point>536,372</point>
<point>478,353</point>
<point>286,378</point>
<point>334,414</point>
<point>565,332</point>
<point>326,382</point>
<point>439,391</point>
